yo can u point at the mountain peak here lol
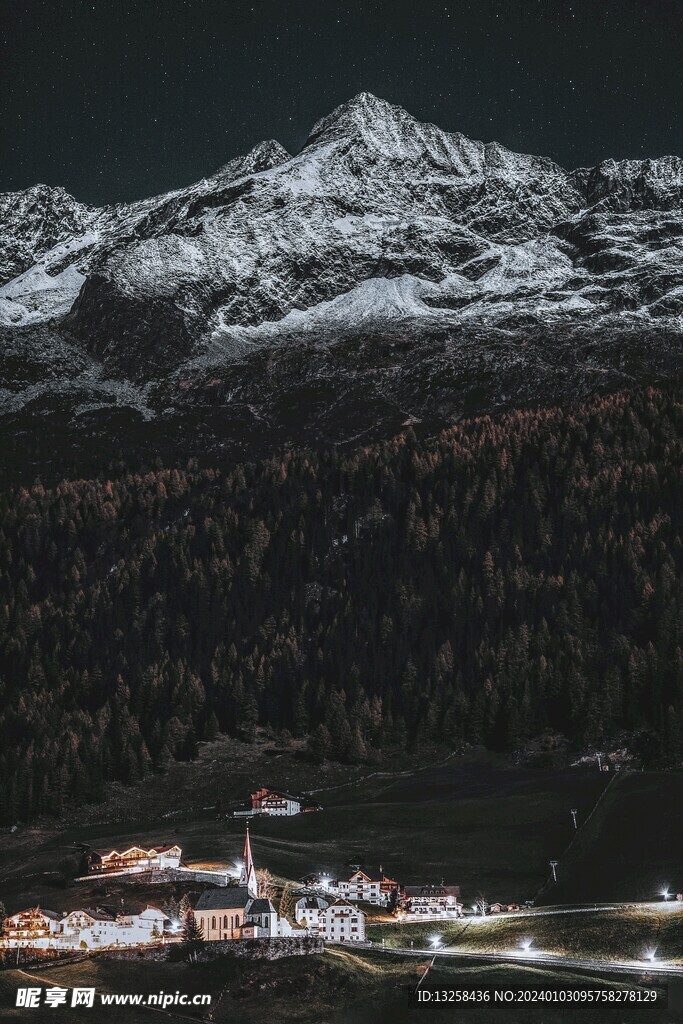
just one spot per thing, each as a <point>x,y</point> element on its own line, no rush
<point>261,157</point>
<point>363,113</point>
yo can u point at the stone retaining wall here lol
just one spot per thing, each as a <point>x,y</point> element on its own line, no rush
<point>157,876</point>
<point>253,949</point>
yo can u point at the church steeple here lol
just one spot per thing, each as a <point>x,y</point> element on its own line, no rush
<point>248,876</point>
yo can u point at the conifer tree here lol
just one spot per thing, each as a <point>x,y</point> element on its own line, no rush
<point>191,931</point>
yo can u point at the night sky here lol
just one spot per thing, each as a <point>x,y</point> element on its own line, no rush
<point>116,99</point>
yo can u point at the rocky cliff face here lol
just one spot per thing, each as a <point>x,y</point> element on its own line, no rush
<point>389,271</point>
<point>34,222</point>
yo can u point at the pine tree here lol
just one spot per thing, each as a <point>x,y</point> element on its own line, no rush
<point>287,902</point>
<point>319,744</point>
<point>191,931</point>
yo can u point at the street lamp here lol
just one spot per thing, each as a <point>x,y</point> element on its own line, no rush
<point>665,894</point>
<point>553,865</point>
<point>574,811</point>
<point>435,940</point>
<point>526,944</point>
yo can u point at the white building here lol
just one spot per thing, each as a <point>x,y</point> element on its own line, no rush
<point>83,929</point>
<point>342,922</point>
<point>261,914</point>
<point>431,900</point>
<point>133,859</point>
<point>307,911</point>
<point>88,929</point>
<point>272,802</point>
<point>33,927</point>
<point>97,929</point>
<point>359,887</point>
<point>147,926</point>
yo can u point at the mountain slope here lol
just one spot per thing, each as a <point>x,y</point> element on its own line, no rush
<point>390,270</point>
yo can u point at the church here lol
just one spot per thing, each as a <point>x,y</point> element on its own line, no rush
<point>237,912</point>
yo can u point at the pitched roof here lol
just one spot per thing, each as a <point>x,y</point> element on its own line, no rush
<point>312,903</point>
<point>38,910</point>
<point>231,897</point>
<point>279,794</point>
<point>265,791</point>
<point>164,848</point>
<point>260,906</point>
<point>125,907</point>
<point>96,915</point>
<point>248,873</point>
<point>344,903</point>
<point>432,890</point>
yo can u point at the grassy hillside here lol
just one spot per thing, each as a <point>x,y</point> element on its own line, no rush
<point>445,974</point>
<point>304,989</point>
<point>621,934</point>
<point>483,827</point>
<point>631,847</point>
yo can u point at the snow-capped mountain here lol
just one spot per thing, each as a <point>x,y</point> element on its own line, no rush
<point>390,270</point>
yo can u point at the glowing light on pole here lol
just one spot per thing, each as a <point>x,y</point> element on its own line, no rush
<point>553,865</point>
<point>574,811</point>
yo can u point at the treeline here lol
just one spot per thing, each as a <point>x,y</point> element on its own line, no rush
<point>511,575</point>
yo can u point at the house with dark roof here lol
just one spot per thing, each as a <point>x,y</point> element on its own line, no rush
<point>274,803</point>
<point>307,911</point>
<point>220,913</point>
<point>132,858</point>
<point>431,900</point>
<point>33,927</point>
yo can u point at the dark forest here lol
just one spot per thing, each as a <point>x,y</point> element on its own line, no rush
<point>513,575</point>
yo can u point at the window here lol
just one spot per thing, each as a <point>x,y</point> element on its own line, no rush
<point>225,921</point>
<point>213,922</point>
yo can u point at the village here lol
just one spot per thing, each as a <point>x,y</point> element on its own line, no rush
<point>240,903</point>
<point>235,907</point>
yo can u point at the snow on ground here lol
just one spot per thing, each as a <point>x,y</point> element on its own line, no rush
<point>36,296</point>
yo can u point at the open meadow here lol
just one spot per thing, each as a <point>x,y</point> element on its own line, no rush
<point>624,933</point>
<point>471,822</point>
